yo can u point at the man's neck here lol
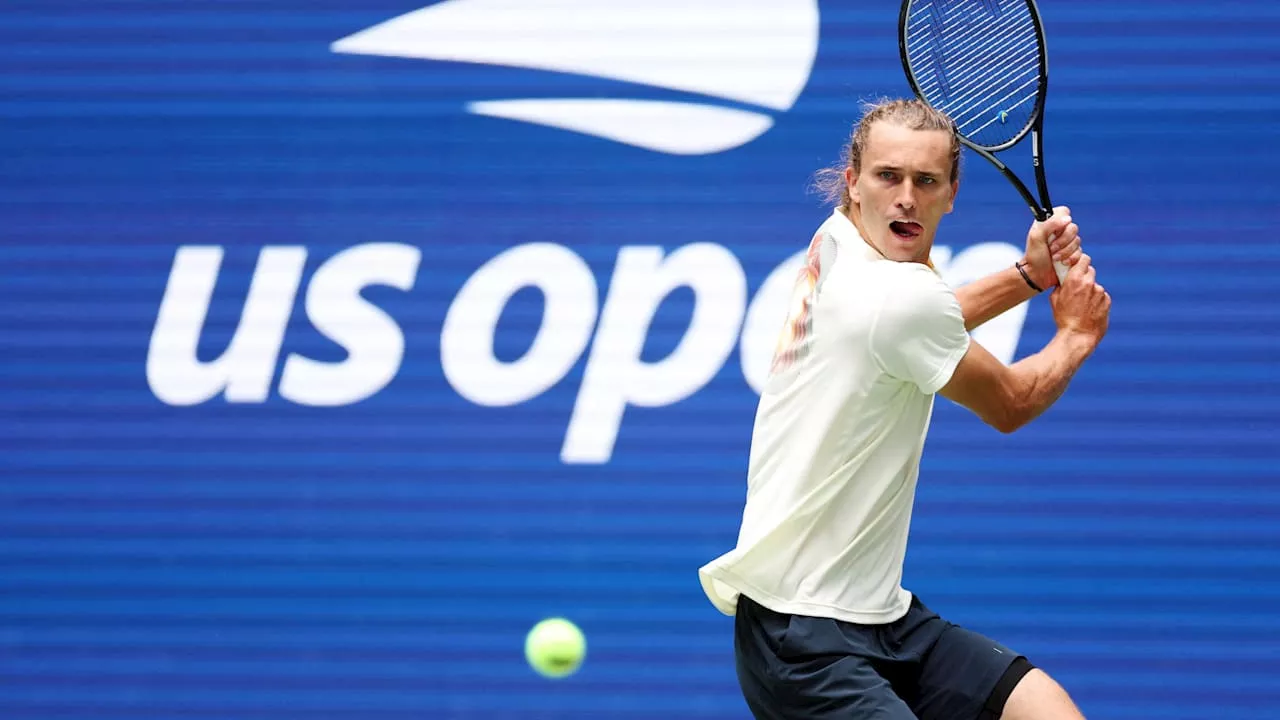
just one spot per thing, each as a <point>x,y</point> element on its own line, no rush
<point>854,213</point>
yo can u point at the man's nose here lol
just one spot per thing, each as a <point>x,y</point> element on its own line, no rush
<point>907,197</point>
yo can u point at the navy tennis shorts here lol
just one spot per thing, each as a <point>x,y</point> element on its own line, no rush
<point>919,667</point>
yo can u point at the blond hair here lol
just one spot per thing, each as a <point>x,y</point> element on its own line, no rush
<point>912,114</point>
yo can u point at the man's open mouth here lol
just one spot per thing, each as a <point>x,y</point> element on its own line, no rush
<point>906,228</point>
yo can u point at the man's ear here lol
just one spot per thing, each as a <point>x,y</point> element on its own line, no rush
<point>955,188</point>
<point>851,182</point>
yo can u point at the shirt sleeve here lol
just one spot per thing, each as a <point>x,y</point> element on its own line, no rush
<point>919,335</point>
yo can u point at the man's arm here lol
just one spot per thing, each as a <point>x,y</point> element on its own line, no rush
<point>991,296</point>
<point>1007,398</point>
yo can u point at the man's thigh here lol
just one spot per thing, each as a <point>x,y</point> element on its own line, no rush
<point>781,680</point>
<point>845,688</point>
<point>967,676</point>
<point>1040,697</point>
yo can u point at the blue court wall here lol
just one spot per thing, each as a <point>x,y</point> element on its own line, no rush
<point>329,368</point>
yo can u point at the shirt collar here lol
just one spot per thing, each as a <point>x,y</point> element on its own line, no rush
<point>846,233</point>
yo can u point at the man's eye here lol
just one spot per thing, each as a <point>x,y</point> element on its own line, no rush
<point>886,175</point>
<point>926,180</point>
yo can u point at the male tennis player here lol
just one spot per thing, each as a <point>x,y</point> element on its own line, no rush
<point>823,627</point>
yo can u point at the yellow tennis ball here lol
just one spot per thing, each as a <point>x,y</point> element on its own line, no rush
<point>555,648</point>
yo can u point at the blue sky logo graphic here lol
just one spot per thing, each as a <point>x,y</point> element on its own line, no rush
<point>748,61</point>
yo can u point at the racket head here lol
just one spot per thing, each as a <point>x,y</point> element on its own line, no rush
<point>982,62</point>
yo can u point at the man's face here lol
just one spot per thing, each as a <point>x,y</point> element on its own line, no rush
<point>903,190</point>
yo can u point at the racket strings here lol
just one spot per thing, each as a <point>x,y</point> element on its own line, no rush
<point>978,61</point>
<point>959,44</point>
<point>972,88</point>
<point>967,60</point>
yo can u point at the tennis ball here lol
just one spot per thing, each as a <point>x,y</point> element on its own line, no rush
<point>555,648</point>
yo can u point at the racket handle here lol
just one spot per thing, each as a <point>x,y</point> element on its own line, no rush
<point>1058,267</point>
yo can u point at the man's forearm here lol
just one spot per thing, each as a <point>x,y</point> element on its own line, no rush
<point>1044,376</point>
<point>989,297</point>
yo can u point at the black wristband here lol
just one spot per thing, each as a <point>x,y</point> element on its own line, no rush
<point>1027,277</point>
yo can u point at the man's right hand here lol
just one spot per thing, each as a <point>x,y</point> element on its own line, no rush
<point>1080,305</point>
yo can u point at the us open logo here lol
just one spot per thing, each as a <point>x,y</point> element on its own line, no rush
<point>741,62</point>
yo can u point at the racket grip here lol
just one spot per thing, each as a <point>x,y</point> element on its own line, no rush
<point>1058,267</point>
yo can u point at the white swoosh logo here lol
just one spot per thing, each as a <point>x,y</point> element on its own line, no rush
<point>753,52</point>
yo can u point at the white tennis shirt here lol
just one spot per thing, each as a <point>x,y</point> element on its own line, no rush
<point>839,431</point>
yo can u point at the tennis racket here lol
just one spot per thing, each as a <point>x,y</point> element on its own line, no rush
<point>983,63</point>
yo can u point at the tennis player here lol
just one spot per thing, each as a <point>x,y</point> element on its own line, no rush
<point>823,627</point>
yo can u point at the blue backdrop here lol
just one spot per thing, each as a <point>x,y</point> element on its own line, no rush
<point>334,361</point>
